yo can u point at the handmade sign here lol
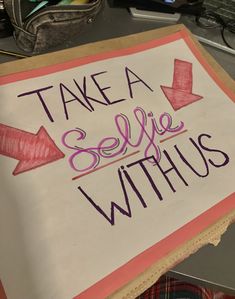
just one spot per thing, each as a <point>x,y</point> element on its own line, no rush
<point>109,163</point>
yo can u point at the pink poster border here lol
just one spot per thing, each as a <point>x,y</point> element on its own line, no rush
<point>143,261</point>
<point>2,292</point>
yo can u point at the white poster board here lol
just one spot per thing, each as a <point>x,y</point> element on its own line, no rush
<point>121,157</point>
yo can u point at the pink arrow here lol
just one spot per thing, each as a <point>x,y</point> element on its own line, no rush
<point>180,94</point>
<point>32,150</point>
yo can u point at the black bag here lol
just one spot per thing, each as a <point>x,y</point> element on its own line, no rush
<point>49,26</point>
